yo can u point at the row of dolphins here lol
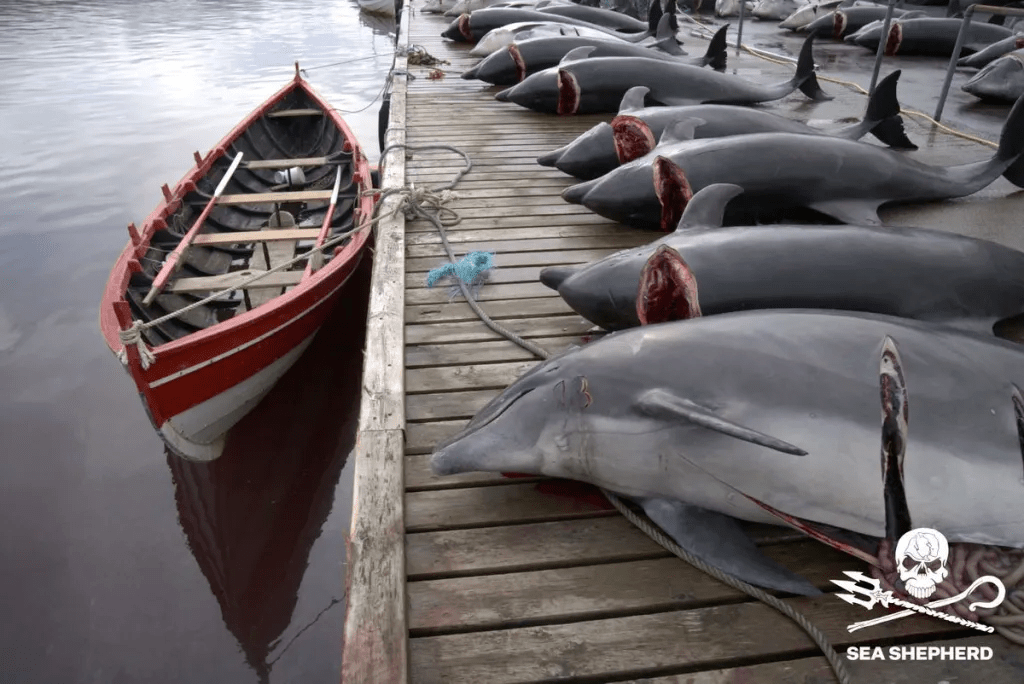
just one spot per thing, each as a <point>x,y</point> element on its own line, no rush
<point>742,374</point>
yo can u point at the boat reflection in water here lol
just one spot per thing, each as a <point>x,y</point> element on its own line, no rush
<point>252,516</point>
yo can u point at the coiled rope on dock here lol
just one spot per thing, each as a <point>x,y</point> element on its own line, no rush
<point>419,202</point>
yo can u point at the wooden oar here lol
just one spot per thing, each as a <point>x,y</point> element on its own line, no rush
<point>176,258</point>
<point>317,260</point>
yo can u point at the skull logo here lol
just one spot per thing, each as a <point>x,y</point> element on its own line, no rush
<point>921,556</point>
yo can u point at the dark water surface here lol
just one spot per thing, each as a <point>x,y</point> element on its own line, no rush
<point>120,563</point>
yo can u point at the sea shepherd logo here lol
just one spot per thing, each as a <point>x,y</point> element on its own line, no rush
<point>921,555</point>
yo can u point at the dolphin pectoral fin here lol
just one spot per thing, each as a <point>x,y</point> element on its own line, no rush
<point>855,212</point>
<point>660,403</point>
<point>719,541</point>
<point>706,209</point>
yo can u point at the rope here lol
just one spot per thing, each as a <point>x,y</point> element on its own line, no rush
<point>819,638</point>
<point>838,667</point>
<point>857,88</point>
<point>966,563</point>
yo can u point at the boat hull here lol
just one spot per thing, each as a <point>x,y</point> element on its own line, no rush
<point>385,7</point>
<point>197,387</point>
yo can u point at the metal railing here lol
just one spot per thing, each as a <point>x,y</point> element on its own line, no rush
<point>990,9</point>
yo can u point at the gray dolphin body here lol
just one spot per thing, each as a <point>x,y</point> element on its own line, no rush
<point>778,406</point>
<point>634,131</point>
<point>906,272</point>
<point>992,52</point>
<point>931,36</point>
<point>524,58</point>
<point>842,22</point>
<point>597,15</point>
<point>469,28</point>
<point>844,179</point>
<point>1002,79</point>
<point>597,85</point>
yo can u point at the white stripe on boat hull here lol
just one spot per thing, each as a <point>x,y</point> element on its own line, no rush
<point>197,434</point>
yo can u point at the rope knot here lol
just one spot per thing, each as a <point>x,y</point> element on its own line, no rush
<point>133,335</point>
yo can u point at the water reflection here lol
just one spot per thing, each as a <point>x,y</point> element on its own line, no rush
<point>101,102</point>
<point>251,516</point>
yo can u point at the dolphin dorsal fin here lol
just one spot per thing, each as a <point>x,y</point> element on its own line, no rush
<point>577,54</point>
<point>680,131</point>
<point>633,99</point>
<point>707,207</point>
<point>664,404</point>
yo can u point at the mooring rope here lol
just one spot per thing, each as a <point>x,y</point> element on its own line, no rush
<point>854,86</point>
<point>436,202</point>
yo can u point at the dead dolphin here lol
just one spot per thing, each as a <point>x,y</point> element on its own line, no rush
<point>778,10</point>
<point>992,52</point>
<point>634,131</point>
<point>914,273</point>
<point>782,406</point>
<point>599,16</point>
<point>1001,80</point>
<point>931,36</point>
<point>469,28</point>
<point>503,36</point>
<point>583,85</point>
<point>844,179</point>
<point>808,13</point>
<point>524,58</point>
<point>842,22</point>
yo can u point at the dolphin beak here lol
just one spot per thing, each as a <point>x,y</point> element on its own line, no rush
<point>503,95</point>
<point>471,74</point>
<point>551,158</point>
<point>452,32</point>
<point>574,194</point>
<point>554,276</point>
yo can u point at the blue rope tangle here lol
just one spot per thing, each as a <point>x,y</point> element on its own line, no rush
<point>469,269</point>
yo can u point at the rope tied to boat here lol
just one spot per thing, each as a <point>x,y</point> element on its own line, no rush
<point>819,638</point>
<point>133,335</point>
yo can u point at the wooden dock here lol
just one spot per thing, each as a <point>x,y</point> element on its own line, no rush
<point>480,579</point>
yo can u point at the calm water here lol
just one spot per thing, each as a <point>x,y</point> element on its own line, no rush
<point>119,563</point>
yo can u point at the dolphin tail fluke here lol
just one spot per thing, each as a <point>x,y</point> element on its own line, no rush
<point>720,541</point>
<point>1011,142</point>
<point>658,402</point>
<point>554,276</point>
<point>804,78</point>
<point>882,117</point>
<point>717,54</point>
<point>666,36</point>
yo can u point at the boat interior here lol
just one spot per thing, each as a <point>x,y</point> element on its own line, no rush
<point>271,210</point>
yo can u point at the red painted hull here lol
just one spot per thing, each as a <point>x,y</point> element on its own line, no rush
<point>195,370</point>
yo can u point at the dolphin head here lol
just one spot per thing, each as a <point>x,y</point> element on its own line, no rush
<point>605,291</point>
<point>459,30</point>
<point>868,36</point>
<point>626,194</point>
<point>502,67</point>
<point>526,428</point>
<point>590,155</point>
<point>1002,79</point>
<point>538,92</point>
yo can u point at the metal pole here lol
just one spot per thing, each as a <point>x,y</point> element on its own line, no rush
<point>739,29</point>
<point>952,61</point>
<point>880,52</point>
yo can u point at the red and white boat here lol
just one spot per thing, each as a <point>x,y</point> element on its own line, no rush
<point>230,277</point>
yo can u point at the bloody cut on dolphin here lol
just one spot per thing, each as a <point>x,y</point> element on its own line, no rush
<point>705,269</point>
<point>772,417</point>
<point>634,132</point>
<point>844,179</point>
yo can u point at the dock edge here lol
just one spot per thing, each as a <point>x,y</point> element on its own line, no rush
<point>375,642</point>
